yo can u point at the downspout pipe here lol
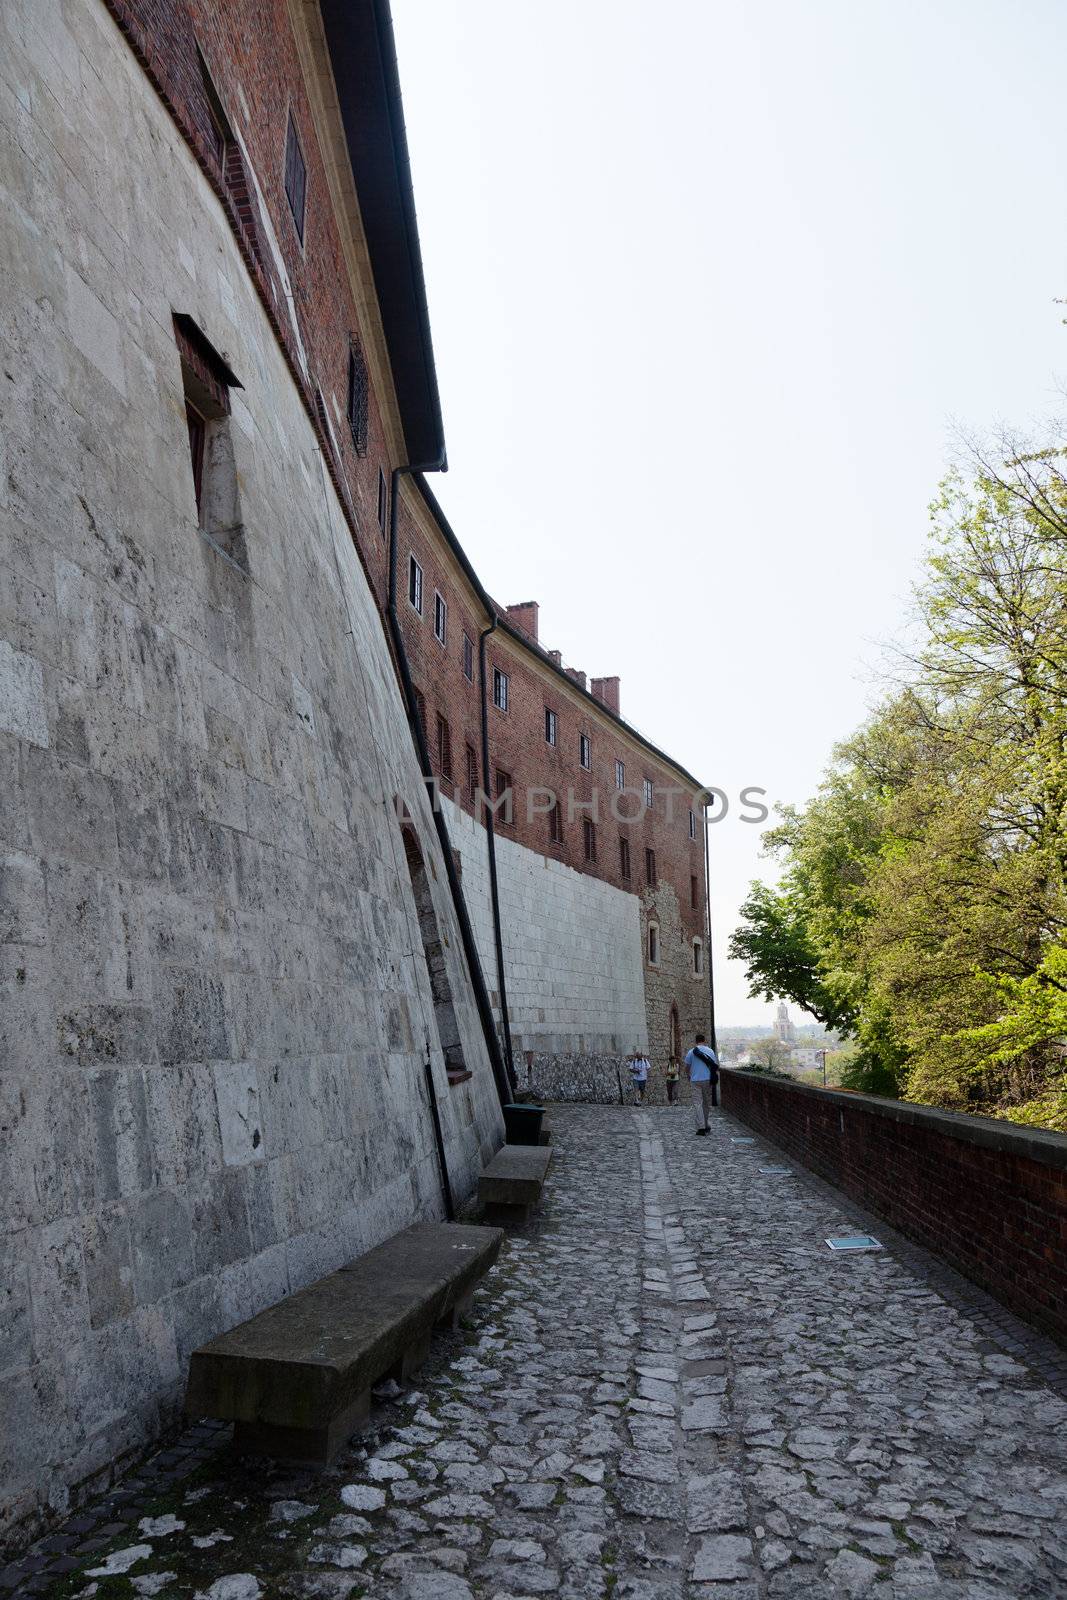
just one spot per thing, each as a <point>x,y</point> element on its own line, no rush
<point>490,840</point>
<point>466,932</point>
<point>707,908</point>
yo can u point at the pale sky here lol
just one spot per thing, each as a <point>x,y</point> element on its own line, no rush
<point>709,283</point>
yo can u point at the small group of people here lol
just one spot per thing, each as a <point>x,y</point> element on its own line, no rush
<point>702,1066</point>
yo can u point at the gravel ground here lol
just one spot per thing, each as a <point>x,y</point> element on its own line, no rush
<point>669,1386</point>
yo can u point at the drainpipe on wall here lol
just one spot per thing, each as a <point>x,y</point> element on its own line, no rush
<point>711,970</point>
<point>490,839</point>
<point>466,932</point>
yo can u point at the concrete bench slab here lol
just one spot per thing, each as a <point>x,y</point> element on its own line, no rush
<point>513,1180</point>
<point>296,1379</point>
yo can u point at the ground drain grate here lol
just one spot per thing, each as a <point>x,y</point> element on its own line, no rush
<point>855,1241</point>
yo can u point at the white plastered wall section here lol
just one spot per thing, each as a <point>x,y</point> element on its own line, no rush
<point>572,947</point>
<point>214,1004</point>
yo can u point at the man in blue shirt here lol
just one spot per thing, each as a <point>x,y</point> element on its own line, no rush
<point>703,1066</point>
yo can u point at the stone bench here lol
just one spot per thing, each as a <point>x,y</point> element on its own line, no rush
<point>296,1379</point>
<point>513,1180</point>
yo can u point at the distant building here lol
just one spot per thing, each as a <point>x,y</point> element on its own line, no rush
<point>783,1024</point>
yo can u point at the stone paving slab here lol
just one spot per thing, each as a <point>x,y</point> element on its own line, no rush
<point>668,1388</point>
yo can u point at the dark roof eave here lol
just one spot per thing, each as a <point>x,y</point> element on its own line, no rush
<point>362,47</point>
<point>528,644</point>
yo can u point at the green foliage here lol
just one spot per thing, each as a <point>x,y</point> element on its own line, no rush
<point>921,908</point>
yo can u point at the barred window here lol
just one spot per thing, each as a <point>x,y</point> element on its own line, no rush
<point>359,405</point>
<point>649,794</point>
<point>620,775</point>
<point>500,689</point>
<point>585,751</point>
<point>555,824</point>
<point>295,177</point>
<point>468,658</point>
<point>472,773</point>
<point>505,813</point>
<point>693,891</point>
<point>589,838</point>
<point>650,868</point>
<point>624,859</point>
<point>444,747</point>
<point>550,726</point>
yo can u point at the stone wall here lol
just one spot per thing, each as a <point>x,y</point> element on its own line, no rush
<point>214,1002</point>
<point>988,1196</point>
<point>572,948</point>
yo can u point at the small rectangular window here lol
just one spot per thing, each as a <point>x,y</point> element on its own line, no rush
<point>692,825</point>
<point>585,753</point>
<point>653,944</point>
<point>550,726</point>
<point>650,868</point>
<point>359,402</point>
<point>693,891</point>
<point>620,775</point>
<point>698,958</point>
<point>649,794</point>
<point>420,710</point>
<point>472,773</point>
<point>624,859</point>
<point>500,689</point>
<point>589,838</point>
<point>468,658</point>
<point>197,432</point>
<point>415,584</point>
<point>505,812</point>
<point>295,177</point>
<point>444,747</point>
<point>440,618</point>
<point>555,824</point>
<point>383,499</point>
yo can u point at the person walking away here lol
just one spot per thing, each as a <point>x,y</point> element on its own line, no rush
<point>671,1076</point>
<point>703,1066</point>
<point>639,1068</point>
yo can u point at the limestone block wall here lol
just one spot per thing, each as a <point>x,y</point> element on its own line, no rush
<point>573,960</point>
<point>214,1003</point>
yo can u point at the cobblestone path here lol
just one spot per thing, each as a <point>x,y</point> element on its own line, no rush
<point>670,1388</point>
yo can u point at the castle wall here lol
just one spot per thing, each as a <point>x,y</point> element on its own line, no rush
<point>214,1003</point>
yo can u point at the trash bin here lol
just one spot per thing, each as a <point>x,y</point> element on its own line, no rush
<point>522,1124</point>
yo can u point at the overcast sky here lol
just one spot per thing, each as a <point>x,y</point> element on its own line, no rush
<point>709,283</point>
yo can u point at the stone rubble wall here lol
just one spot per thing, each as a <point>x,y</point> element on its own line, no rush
<point>215,1009</point>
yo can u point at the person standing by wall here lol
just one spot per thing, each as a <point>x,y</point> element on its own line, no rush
<point>703,1066</point>
<point>639,1070</point>
<point>671,1077</point>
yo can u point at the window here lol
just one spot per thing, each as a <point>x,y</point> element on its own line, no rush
<point>550,726</point>
<point>555,824</point>
<point>415,584</point>
<point>420,710</point>
<point>295,177</point>
<point>698,958</point>
<point>692,825</point>
<point>229,157</point>
<point>468,658</point>
<point>653,944</point>
<point>585,755</point>
<point>472,774</point>
<point>358,404</point>
<point>440,618</point>
<point>444,748</point>
<point>500,689</point>
<point>505,812</point>
<point>207,381</point>
<point>649,794</point>
<point>650,868</point>
<point>589,838</point>
<point>383,499</point>
<point>624,859</point>
<point>620,775</point>
<point>693,891</point>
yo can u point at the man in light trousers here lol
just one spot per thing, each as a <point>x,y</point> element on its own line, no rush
<point>703,1067</point>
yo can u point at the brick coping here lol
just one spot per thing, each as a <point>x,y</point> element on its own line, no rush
<point>990,1133</point>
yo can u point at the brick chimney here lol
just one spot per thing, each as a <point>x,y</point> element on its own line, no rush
<point>579,677</point>
<point>606,691</point>
<point>524,616</point>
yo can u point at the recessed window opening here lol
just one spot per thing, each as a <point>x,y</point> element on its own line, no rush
<point>650,868</point>
<point>692,825</point>
<point>444,747</point>
<point>472,774</point>
<point>500,689</point>
<point>206,382</point>
<point>589,838</point>
<point>624,859</point>
<point>653,944</point>
<point>693,891</point>
<point>383,499</point>
<point>698,958</point>
<point>440,618</point>
<point>295,177</point>
<point>649,794</point>
<point>503,813</point>
<point>468,658</point>
<point>359,402</point>
<point>620,775</point>
<point>550,726</point>
<point>415,584</point>
<point>585,751</point>
<point>555,824</point>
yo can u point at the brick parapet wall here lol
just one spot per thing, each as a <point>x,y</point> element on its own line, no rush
<point>989,1197</point>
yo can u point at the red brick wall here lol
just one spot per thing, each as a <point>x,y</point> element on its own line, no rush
<point>990,1197</point>
<point>252,57</point>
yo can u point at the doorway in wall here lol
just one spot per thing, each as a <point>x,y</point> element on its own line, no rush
<point>433,948</point>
